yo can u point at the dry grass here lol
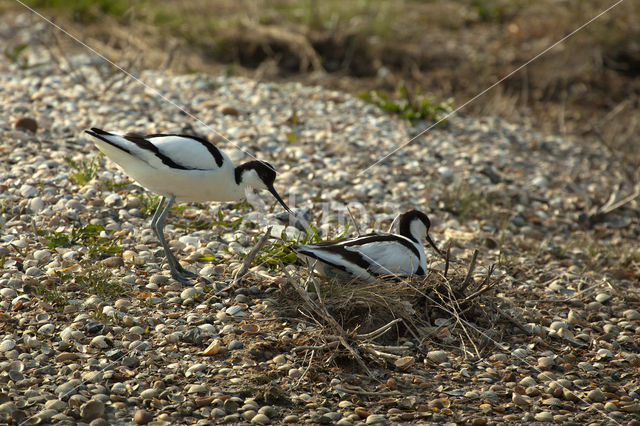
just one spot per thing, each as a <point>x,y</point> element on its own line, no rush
<point>395,322</point>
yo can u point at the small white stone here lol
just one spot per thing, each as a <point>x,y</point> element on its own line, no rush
<point>7,344</point>
<point>41,255</point>
<point>28,191</point>
<point>113,199</point>
<point>99,342</point>
<point>438,356</point>
<point>36,205</point>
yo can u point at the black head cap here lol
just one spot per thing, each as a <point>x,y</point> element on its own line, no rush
<point>266,173</point>
<point>406,219</point>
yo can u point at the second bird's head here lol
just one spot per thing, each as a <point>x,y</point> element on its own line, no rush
<point>417,224</point>
<point>259,175</point>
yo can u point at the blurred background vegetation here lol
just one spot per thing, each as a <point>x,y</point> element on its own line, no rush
<point>587,87</point>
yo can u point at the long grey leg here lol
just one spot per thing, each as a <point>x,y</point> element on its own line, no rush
<point>156,230</point>
<point>157,225</point>
<point>156,214</point>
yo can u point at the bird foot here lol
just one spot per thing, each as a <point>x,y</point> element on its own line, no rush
<point>186,273</point>
<point>182,275</point>
<point>181,278</point>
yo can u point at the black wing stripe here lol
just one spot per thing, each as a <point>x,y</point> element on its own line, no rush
<point>348,256</point>
<point>213,150</point>
<point>378,238</point>
<point>143,143</point>
<point>100,134</point>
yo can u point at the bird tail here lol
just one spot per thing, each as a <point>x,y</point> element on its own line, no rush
<point>107,138</point>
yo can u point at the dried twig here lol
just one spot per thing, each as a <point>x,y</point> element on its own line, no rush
<point>246,263</point>
<point>380,354</point>
<point>446,265</point>
<point>484,287</point>
<point>387,348</point>
<point>317,347</point>
<point>353,220</point>
<point>340,388</point>
<point>472,266</point>
<point>322,312</point>
<point>614,205</point>
<point>379,332</point>
<point>306,370</point>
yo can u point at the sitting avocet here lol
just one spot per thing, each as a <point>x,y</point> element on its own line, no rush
<point>373,255</point>
<point>183,168</point>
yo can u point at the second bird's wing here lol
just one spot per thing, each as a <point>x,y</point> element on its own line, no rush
<point>376,254</point>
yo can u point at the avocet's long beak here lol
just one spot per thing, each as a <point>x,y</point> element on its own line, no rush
<point>430,241</point>
<point>273,191</point>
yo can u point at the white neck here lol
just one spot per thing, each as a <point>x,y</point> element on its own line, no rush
<point>418,230</point>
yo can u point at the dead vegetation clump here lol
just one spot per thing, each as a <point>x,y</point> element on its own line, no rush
<point>397,322</point>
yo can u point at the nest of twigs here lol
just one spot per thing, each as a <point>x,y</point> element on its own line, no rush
<point>396,320</point>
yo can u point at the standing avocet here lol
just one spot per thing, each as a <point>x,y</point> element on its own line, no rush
<point>373,255</point>
<point>183,168</point>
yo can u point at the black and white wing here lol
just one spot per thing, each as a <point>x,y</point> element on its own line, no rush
<point>369,256</point>
<point>178,152</point>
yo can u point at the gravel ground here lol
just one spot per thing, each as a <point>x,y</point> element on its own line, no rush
<point>94,330</point>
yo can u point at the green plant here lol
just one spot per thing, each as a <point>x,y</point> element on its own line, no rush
<point>150,203</point>
<point>278,253</point>
<point>243,206</point>
<point>82,172</point>
<point>495,11</point>
<point>234,224</point>
<point>89,236</point>
<point>99,282</point>
<point>51,294</point>
<point>196,224</point>
<point>13,54</point>
<point>85,11</point>
<point>410,106</point>
<point>113,185</point>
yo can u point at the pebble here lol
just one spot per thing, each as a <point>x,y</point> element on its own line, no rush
<point>437,357</point>
<point>142,417</point>
<point>260,419</point>
<point>100,342</point>
<point>7,345</point>
<point>545,362</point>
<point>375,419</point>
<point>188,293</point>
<point>596,395</point>
<point>26,124</point>
<point>92,410</point>
<point>235,344</point>
<point>8,293</point>
<point>631,315</point>
<point>113,262</point>
<point>113,199</point>
<point>544,416</point>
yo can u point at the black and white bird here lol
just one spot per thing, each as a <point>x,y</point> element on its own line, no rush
<point>183,168</point>
<point>371,256</point>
